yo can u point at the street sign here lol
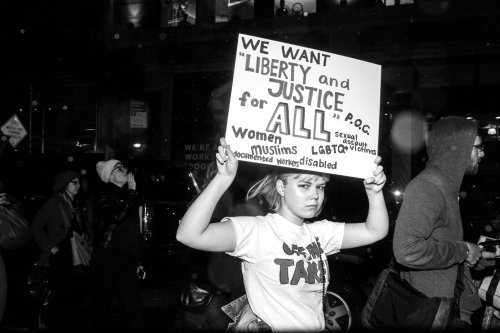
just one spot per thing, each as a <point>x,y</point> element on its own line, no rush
<point>14,129</point>
<point>138,114</point>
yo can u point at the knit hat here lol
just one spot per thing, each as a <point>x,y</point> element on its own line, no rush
<point>104,169</point>
<point>63,178</point>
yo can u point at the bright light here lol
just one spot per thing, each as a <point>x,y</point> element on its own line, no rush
<point>492,131</point>
<point>135,10</point>
<point>137,145</point>
<point>397,193</point>
<point>470,117</point>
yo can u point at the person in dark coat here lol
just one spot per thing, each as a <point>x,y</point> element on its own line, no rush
<point>7,201</point>
<point>117,246</point>
<point>428,237</point>
<point>56,228</point>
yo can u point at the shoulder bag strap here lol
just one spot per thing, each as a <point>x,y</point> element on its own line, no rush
<point>459,288</point>
<point>459,284</point>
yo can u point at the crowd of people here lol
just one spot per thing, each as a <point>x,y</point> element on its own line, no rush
<point>91,245</point>
<point>284,255</point>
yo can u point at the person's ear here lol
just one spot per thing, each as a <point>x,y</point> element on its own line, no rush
<point>280,187</point>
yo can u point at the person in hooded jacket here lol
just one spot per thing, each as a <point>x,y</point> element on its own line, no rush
<point>428,236</point>
<point>116,255</point>
<point>59,222</point>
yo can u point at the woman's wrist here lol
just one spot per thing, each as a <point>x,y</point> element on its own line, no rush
<point>223,180</point>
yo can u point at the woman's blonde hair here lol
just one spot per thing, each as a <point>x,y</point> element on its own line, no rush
<point>265,189</point>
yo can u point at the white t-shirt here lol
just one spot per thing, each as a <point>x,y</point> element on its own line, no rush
<point>281,269</point>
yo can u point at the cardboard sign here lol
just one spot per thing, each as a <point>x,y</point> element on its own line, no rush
<point>14,129</point>
<point>301,108</point>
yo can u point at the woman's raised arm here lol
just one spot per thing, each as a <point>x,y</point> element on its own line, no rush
<point>376,226</point>
<point>195,229</point>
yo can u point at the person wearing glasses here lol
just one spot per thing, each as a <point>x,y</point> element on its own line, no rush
<point>63,233</point>
<point>428,237</point>
<point>116,255</point>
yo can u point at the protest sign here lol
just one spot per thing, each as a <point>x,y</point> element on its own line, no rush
<point>302,108</point>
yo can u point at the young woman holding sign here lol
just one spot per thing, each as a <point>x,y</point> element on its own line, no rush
<point>284,258</point>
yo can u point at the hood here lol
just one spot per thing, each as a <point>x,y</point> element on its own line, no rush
<point>449,147</point>
<point>62,179</point>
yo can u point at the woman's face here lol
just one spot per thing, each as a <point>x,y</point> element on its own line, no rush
<point>73,187</point>
<point>119,173</point>
<point>302,196</point>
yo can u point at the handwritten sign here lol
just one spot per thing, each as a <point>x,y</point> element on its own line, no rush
<point>15,130</point>
<point>301,108</point>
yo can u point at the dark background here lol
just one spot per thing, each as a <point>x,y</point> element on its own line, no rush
<point>82,61</point>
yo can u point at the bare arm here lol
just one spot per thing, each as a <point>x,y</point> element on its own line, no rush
<point>376,226</point>
<point>195,229</point>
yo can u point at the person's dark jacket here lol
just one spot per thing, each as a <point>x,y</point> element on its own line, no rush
<point>117,217</point>
<point>51,225</point>
<point>428,237</point>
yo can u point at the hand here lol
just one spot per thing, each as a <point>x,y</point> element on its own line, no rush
<point>131,181</point>
<point>474,254</point>
<point>227,164</point>
<point>487,258</point>
<point>377,182</point>
<point>489,255</point>
<point>484,263</point>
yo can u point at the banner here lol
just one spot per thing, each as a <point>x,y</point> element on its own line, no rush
<point>302,108</point>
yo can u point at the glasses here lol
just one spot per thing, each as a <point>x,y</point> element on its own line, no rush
<point>480,148</point>
<point>119,167</point>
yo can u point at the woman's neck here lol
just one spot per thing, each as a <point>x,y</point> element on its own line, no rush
<point>69,195</point>
<point>292,218</point>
